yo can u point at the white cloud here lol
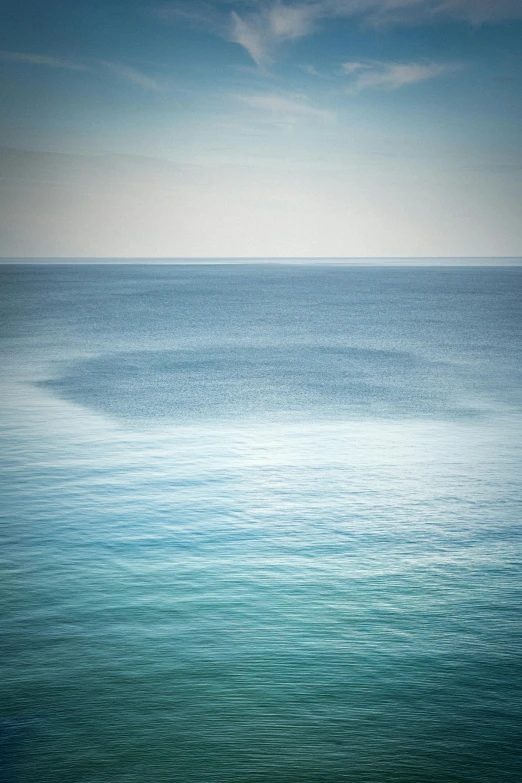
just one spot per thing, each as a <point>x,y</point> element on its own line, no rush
<point>260,27</point>
<point>40,59</point>
<point>134,76</point>
<point>118,69</point>
<point>285,108</point>
<point>312,71</point>
<point>193,12</point>
<point>290,22</point>
<point>262,31</point>
<point>390,76</point>
<point>354,66</point>
<point>480,11</point>
<point>251,37</point>
<point>406,11</point>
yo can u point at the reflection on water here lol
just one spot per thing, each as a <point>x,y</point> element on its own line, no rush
<point>261,524</point>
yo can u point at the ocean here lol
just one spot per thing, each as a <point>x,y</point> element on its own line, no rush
<point>261,524</point>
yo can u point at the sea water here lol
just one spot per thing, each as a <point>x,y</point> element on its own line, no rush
<point>261,524</point>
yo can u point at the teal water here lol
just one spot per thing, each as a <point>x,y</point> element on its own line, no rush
<point>261,524</point>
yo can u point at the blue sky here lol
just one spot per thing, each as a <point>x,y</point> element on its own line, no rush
<point>248,128</point>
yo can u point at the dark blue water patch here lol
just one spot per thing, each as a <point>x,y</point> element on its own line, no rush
<point>15,732</point>
<point>249,381</point>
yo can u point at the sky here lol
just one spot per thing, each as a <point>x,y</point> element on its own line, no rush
<point>254,128</point>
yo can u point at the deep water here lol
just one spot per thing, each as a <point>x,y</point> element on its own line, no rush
<point>261,524</point>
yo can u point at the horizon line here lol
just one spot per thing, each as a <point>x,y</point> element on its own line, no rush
<point>231,260</point>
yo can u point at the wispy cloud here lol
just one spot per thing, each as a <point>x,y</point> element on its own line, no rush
<point>250,37</point>
<point>132,75</point>
<point>261,27</point>
<point>119,70</point>
<point>425,11</point>
<point>40,59</point>
<point>354,66</point>
<point>479,11</point>
<point>285,108</point>
<point>390,76</point>
<point>312,71</point>
<point>261,32</point>
<point>197,13</point>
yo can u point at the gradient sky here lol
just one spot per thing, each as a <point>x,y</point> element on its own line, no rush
<point>248,128</point>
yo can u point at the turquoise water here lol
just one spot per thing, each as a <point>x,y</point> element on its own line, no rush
<point>261,524</point>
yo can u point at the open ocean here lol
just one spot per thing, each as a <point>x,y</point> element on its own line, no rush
<point>261,524</point>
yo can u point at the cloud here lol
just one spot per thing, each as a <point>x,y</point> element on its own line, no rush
<point>480,11</point>
<point>261,26</point>
<point>251,37</point>
<point>354,66</point>
<point>285,108</point>
<point>390,76</point>
<point>312,71</point>
<point>40,59</point>
<point>194,13</point>
<point>261,32</point>
<point>424,11</point>
<point>133,76</point>
<point>118,69</point>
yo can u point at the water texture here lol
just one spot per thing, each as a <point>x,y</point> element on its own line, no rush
<point>261,524</point>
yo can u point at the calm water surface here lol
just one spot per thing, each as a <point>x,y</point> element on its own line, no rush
<point>261,524</point>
